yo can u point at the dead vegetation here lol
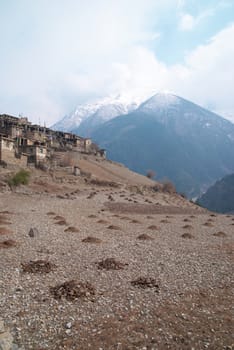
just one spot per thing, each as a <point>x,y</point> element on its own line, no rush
<point>38,266</point>
<point>91,239</point>
<point>110,264</point>
<point>72,229</point>
<point>187,235</point>
<point>114,227</point>
<point>186,227</point>
<point>208,224</point>
<point>144,237</point>
<point>220,234</point>
<point>9,243</point>
<point>145,282</point>
<point>61,223</point>
<point>72,290</point>
<point>153,227</point>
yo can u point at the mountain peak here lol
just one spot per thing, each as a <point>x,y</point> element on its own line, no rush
<point>160,100</point>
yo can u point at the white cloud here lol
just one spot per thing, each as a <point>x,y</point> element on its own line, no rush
<point>72,53</point>
<point>187,22</point>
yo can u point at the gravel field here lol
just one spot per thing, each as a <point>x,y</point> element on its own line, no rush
<point>95,267</point>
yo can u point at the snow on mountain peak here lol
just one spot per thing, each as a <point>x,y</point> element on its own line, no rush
<point>104,109</point>
<point>161,100</point>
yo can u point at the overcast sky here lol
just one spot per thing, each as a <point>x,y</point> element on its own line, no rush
<point>56,54</point>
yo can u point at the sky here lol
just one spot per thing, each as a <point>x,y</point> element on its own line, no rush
<point>57,54</point>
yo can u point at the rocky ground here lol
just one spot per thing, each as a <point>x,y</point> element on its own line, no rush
<point>92,264</point>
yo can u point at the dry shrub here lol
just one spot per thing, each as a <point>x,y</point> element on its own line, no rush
<point>214,215</point>
<point>51,213</point>
<point>153,227</point>
<point>58,217</point>
<point>10,243</point>
<point>110,264</point>
<point>168,187</point>
<point>92,216</point>
<point>144,237</point>
<point>165,221</point>
<point>187,235</point>
<point>5,231</point>
<point>150,174</point>
<point>38,266</point>
<point>134,221</point>
<point>114,227</point>
<point>145,282</point>
<point>208,224</point>
<point>101,221</point>
<point>71,229</point>
<point>91,239</point>
<point>187,220</point>
<point>220,234</point>
<point>187,227</point>
<point>61,223</point>
<point>72,290</point>
<point>104,183</point>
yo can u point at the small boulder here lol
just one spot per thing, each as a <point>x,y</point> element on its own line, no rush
<point>33,232</point>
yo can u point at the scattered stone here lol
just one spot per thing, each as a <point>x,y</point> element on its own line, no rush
<point>111,264</point>
<point>33,232</point>
<point>72,290</point>
<point>38,266</point>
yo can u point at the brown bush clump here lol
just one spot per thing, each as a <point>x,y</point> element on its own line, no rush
<point>8,243</point>
<point>71,229</point>
<point>51,213</point>
<point>165,221</point>
<point>134,221</point>
<point>114,227</point>
<point>58,217</point>
<point>61,223</point>
<point>110,264</point>
<point>153,227</point>
<point>101,221</point>
<point>145,282</point>
<point>168,187</point>
<point>187,235</point>
<point>145,237</point>
<point>187,227</point>
<point>92,216</point>
<point>38,266</point>
<point>220,234</point>
<point>72,290</point>
<point>209,224</point>
<point>91,239</point>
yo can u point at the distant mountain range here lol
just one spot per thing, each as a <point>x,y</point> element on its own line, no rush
<point>220,196</point>
<point>176,138</point>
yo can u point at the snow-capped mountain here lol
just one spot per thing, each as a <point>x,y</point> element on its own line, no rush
<point>87,116</point>
<point>174,137</point>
